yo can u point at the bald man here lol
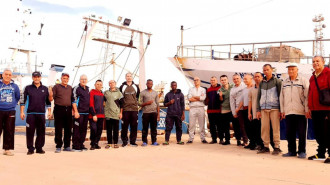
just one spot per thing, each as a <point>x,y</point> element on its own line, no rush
<point>196,97</point>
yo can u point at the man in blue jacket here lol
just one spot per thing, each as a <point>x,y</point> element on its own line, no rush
<point>36,96</point>
<point>174,101</point>
<point>9,96</point>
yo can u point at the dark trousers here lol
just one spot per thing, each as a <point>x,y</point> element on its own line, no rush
<point>112,130</point>
<point>130,118</point>
<point>96,130</point>
<point>215,128</point>
<point>79,131</point>
<point>248,127</point>
<point>225,125</point>
<point>237,131</point>
<point>242,120</point>
<point>7,124</point>
<point>322,130</point>
<point>170,121</point>
<point>35,123</point>
<point>149,118</point>
<point>256,133</point>
<point>63,119</point>
<point>296,123</point>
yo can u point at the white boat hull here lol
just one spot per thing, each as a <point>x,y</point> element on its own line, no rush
<point>206,68</point>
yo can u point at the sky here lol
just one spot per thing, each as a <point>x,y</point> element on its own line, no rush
<point>211,22</point>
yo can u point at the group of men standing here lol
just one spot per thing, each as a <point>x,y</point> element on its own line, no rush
<point>255,110</point>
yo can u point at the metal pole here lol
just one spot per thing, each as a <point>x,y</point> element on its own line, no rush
<point>142,80</point>
<point>253,52</point>
<point>229,51</point>
<point>181,40</point>
<point>280,51</point>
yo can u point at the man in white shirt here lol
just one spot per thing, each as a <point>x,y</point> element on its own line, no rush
<point>236,106</point>
<point>196,97</point>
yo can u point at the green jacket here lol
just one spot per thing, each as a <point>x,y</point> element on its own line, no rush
<point>225,104</point>
<point>112,103</point>
<point>269,94</point>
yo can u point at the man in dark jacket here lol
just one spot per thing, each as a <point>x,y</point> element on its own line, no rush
<point>214,110</point>
<point>36,96</point>
<point>174,101</point>
<point>129,110</point>
<point>80,106</point>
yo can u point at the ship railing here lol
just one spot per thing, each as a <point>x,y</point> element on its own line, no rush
<point>230,51</point>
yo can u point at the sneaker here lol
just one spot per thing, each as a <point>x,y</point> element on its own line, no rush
<point>108,146</point>
<point>289,154</point>
<point>97,147</point>
<point>155,144</point>
<point>239,143</point>
<point>204,141</point>
<point>263,150</point>
<point>41,151</point>
<point>247,146</point>
<point>67,149</point>
<point>276,151</point>
<point>226,143</point>
<point>327,160</point>
<point>166,143</point>
<point>58,150</point>
<point>8,153</point>
<point>316,157</point>
<point>133,144</point>
<point>180,143</point>
<point>124,145</point>
<point>213,142</point>
<point>76,150</point>
<point>30,152</point>
<point>189,142</point>
<point>83,148</point>
<point>221,142</point>
<point>302,155</point>
<point>92,148</point>
<point>258,147</point>
<point>144,144</point>
<point>115,146</point>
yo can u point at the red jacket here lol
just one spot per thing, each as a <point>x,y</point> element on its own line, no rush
<point>96,100</point>
<point>323,80</point>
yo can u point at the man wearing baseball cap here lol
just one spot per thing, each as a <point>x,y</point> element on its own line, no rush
<point>36,96</point>
<point>63,98</point>
<point>294,109</point>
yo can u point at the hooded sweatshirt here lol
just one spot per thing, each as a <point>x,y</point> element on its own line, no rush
<point>178,107</point>
<point>9,96</point>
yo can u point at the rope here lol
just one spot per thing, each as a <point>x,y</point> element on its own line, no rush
<point>124,64</point>
<point>82,54</point>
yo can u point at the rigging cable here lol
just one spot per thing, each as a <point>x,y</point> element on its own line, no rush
<point>124,64</point>
<point>83,51</point>
<point>108,65</point>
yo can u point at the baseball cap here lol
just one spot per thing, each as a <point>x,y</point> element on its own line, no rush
<point>66,74</point>
<point>36,73</point>
<point>292,65</point>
